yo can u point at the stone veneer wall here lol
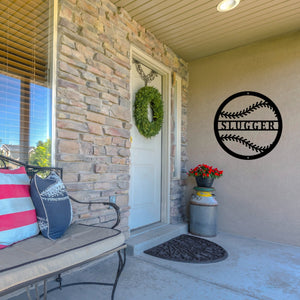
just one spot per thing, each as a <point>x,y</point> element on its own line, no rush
<point>94,108</point>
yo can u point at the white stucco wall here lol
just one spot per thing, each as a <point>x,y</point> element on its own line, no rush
<point>258,198</point>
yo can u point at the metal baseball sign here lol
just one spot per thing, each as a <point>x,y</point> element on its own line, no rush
<point>248,125</point>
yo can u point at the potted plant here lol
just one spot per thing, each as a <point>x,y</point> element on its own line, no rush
<point>205,174</point>
<point>203,205</point>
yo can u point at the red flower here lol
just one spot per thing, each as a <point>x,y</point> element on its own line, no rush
<point>203,170</point>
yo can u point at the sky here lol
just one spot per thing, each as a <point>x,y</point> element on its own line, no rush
<point>40,111</point>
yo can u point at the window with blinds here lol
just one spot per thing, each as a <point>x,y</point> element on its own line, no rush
<point>25,93</point>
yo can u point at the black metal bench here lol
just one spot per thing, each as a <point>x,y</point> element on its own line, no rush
<point>20,267</point>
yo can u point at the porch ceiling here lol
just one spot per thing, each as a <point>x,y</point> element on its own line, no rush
<point>194,28</point>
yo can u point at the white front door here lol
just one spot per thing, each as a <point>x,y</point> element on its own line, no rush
<point>145,172</point>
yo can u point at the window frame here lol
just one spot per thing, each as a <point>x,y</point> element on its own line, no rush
<point>53,77</point>
<point>49,35</point>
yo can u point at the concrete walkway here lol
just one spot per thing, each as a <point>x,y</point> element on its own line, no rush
<point>253,270</point>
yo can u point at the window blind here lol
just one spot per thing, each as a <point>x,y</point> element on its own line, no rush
<point>25,98</point>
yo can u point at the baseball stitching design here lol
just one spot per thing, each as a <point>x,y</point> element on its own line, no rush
<point>243,141</point>
<point>247,111</point>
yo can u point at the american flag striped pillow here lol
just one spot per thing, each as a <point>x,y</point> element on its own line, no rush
<point>17,213</point>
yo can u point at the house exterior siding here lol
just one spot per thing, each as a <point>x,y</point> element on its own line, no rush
<point>93,104</point>
<point>257,198</point>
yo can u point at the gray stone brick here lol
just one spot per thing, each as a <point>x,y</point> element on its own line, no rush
<point>94,105</point>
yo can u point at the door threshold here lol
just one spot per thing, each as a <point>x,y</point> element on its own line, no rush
<point>143,229</point>
<point>153,235</point>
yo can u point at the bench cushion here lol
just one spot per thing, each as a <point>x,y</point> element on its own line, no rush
<point>17,214</point>
<point>38,257</point>
<point>52,204</point>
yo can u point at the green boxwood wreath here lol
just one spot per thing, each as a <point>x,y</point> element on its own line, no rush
<point>145,96</point>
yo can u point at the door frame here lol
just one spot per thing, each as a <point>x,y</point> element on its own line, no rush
<point>165,72</point>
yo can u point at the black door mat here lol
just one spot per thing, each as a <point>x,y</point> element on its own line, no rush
<point>190,249</point>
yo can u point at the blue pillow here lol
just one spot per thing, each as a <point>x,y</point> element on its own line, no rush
<point>52,204</point>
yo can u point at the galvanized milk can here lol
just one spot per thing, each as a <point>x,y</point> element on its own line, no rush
<point>203,212</point>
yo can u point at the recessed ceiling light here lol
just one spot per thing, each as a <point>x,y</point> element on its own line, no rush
<point>227,5</point>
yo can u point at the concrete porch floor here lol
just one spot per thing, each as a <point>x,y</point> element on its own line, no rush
<point>254,269</point>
